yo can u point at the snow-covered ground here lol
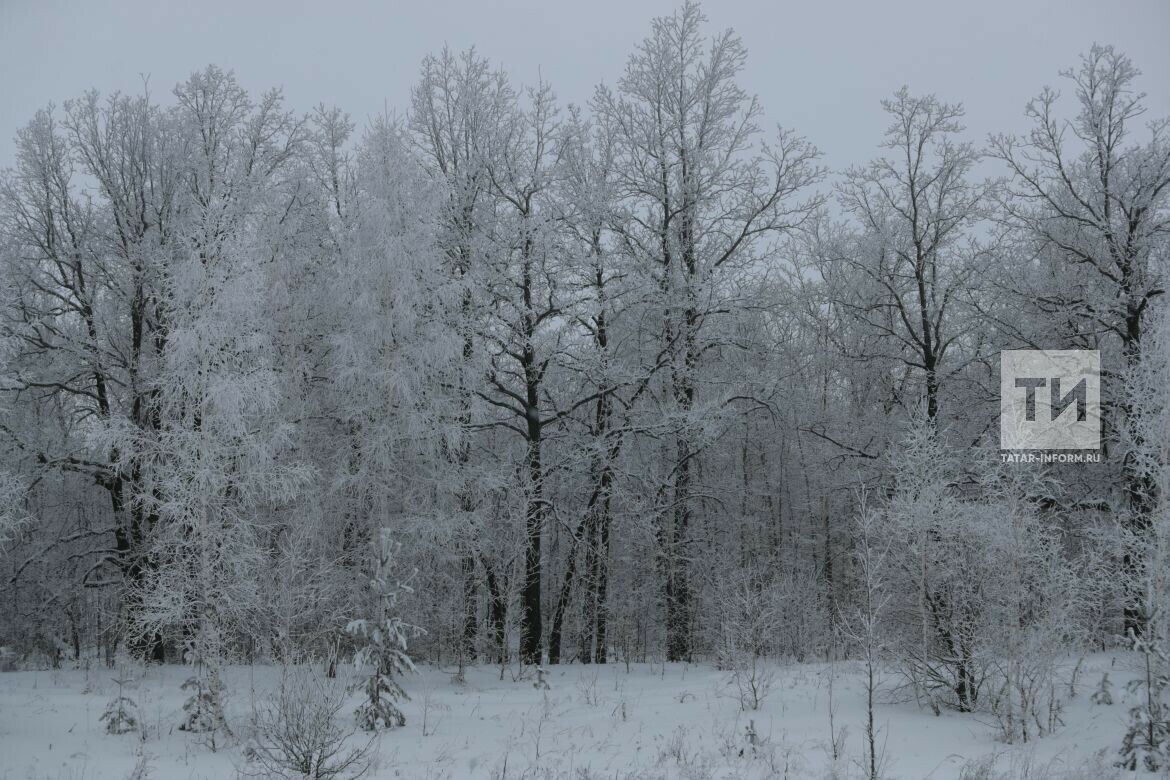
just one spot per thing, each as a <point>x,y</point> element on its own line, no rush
<point>653,721</point>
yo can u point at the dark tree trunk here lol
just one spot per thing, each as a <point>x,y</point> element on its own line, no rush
<point>558,618</point>
<point>678,646</point>
<point>497,614</point>
<point>678,592</point>
<point>532,628</point>
<point>601,582</point>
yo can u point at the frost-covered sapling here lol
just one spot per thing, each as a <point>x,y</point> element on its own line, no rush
<point>382,658</point>
<point>1147,739</point>
<point>1104,693</point>
<point>203,710</point>
<point>865,625</point>
<point>749,620</point>
<point>121,715</point>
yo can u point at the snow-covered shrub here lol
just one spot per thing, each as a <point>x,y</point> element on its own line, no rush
<point>1022,697</point>
<point>936,566</point>
<point>382,658</point>
<point>748,622</point>
<point>1026,766</point>
<point>297,734</point>
<point>1035,600</point>
<point>970,556</point>
<point>681,755</point>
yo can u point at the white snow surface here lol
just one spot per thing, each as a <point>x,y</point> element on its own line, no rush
<point>652,721</point>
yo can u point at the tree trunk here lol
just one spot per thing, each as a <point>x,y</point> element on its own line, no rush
<point>470,617</point>
<point>497,614</point>
<point>532,628</point>
<point>678,587</point>
<point>1141,494</point>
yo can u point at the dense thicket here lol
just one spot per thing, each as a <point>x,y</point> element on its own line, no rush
<point>616,377</point>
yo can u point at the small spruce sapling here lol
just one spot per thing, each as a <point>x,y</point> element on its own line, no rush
<point>382,657</point>
<point>1104,693</point>
<point>203,710</point>
<point>121,715</point>
<point>1147,739</point>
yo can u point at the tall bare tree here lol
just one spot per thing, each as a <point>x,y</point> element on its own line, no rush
<point>702,195</point>
<point>1091,196</point>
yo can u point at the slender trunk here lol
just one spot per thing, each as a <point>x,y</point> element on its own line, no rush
<point>589,601</point>
<point>594,530</point>
<point>497,613</point>
<point>870,735</point>
<point>531,630</point>
<point>678,589</point>
<point>558,617</point>
<point>678,605</point>
<point>467,645</point>
<point>601,579</point>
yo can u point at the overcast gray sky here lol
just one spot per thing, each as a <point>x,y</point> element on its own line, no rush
<point>820,67</point>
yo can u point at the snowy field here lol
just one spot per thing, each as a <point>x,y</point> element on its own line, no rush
<point>653,721</point>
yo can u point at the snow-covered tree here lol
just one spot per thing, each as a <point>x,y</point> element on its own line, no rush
<point>701,192</point>
<point>611,369</point>
<point>212,456</point>
<point>1147,439</point>
<point>1089,196</point>
<point>864,624</point>
<point>910,273</point>
<point>381,658</point>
